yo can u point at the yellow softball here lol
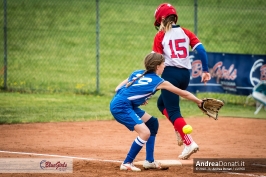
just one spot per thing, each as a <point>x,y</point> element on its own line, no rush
<point>187,129</point>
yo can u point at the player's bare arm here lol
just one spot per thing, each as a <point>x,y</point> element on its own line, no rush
<point>183,93</point>
<point>121,84</point>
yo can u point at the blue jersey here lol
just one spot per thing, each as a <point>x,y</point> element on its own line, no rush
<point>125,104</point>
<point>141,89</point>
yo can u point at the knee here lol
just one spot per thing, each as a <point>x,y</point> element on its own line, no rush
<point>145,134</point>
<point>153,125</point>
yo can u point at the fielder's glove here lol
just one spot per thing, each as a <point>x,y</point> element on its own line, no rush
<point>211,107</point>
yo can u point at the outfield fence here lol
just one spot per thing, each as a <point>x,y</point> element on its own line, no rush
<point>88,46</point>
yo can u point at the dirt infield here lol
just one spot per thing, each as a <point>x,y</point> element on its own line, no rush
<point>108,140</point>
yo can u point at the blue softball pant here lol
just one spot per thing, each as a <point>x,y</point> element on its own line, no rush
<point>125,113</point>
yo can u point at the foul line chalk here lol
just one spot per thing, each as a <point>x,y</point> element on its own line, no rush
<point>173,162</point>
<point>60,156</point>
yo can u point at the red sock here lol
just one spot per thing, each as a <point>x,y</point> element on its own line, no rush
<point>178,125</point>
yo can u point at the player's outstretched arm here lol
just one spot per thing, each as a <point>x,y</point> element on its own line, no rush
<point>183,93</point>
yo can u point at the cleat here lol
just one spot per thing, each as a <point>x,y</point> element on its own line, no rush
<point>179,139</point>
<point>129,167</point>
<point>188,151</point>
<point>151,165</point>
<point>154,165</point>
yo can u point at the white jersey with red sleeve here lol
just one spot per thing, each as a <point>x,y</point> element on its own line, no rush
<point>174,45</point>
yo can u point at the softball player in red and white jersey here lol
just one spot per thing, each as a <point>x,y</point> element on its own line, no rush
<point>174,43</point>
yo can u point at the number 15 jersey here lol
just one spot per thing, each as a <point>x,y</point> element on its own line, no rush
<point>174,45</point>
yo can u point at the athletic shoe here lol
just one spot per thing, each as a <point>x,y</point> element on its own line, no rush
<point>129,167</point>
<point>189,150</point>
<point>151,165</point>
<point>179,139</point>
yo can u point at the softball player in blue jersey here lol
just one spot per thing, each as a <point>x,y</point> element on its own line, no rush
<point>173,42</point>
<point>134,92</point>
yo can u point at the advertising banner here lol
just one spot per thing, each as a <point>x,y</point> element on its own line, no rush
<point>231,73</point>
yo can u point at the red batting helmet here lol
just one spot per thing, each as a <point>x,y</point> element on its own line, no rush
<point>163,11</point>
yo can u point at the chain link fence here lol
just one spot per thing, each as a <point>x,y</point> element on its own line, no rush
<point>88,46</point>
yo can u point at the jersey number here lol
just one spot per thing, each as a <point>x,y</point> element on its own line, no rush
<point>143,81</point>
<point>181,51</point>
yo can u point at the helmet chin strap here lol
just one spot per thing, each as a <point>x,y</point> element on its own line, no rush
<point>157,25</point>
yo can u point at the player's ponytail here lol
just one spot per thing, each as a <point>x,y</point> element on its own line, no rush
<point>131,82</point>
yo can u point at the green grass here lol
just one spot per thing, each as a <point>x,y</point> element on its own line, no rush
<point>52,53</point>
<point>30,108</point>
<point>52,44</point>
